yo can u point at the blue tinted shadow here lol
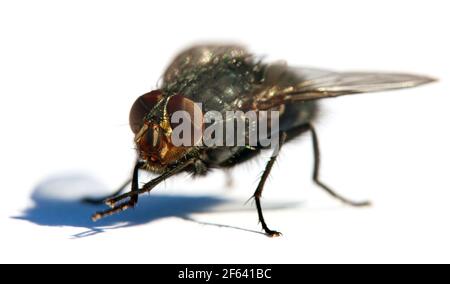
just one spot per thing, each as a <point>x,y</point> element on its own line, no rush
<point>53,211</point>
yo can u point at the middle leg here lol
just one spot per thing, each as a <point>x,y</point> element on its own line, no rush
<point>258,193</point>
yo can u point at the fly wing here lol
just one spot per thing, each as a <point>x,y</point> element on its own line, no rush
<point>284,84</point>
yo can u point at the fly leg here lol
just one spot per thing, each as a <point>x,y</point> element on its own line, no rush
<point>136,191</point>
<point>262,182</point>
<point>101,200</point>
<point>316,178</point>
<point>126,205</point>
<point>151,184</point>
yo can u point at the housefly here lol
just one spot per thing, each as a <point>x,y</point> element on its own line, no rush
<point>227,78</point>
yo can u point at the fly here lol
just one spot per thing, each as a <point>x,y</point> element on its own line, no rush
<point>220,79</point>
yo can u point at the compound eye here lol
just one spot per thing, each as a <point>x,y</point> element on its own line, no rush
<point>190,111</point>
<point>141,107</point>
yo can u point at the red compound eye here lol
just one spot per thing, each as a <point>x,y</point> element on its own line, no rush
<point>143,105</point>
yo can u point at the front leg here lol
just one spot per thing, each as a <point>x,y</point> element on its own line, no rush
<point>133,200</point>
<point>101,200</point>
<point>136,191</point>
<point>150,185</point>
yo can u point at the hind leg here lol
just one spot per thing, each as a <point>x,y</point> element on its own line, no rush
<point>316,173</point>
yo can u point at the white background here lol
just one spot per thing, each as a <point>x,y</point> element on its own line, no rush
<point>69,72</point>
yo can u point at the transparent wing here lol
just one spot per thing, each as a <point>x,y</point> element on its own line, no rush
<point>337,84</point>
<point>285,84</point>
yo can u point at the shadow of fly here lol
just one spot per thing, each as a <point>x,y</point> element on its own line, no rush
<point>219,106</point>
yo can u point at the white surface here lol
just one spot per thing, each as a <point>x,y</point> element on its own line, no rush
<point>70,71</point>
